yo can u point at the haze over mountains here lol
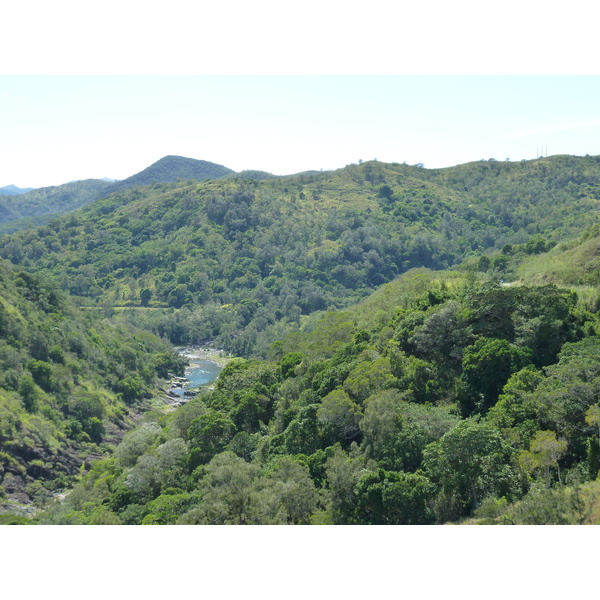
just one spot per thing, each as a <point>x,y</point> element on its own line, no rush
<point>13,190</point>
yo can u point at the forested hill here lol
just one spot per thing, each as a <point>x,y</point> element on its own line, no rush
<point>171,168</point>
<point>393,388</point>
<point>553,196</point>
<point>70,384</point>
<point>36,206</point>
<point>52,200</point>
<point>245,259</point>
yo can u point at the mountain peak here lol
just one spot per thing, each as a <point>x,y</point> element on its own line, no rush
<point>170,168</point>
<point>13,190</point>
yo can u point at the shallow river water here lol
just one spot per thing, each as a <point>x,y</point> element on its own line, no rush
<point>201,370</point>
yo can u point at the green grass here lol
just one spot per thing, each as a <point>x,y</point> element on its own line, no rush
<point>564,265</point>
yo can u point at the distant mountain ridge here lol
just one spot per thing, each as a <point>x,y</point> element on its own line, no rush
<point>13,190</point>
<point>170,168</point>
<point>52,200</point>
<point>57,200</point>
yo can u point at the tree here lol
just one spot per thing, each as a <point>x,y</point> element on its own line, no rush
<point>169,506</point>
<point>367,378</point>
<point>42,374</point>
<point>416,376</point>
<point>230,494</point>
<point>136,443</point>
<point>470,462</point>
<point>444,335</point>
<point>490,310</point>
<point>145,296</point>
<point>290,492</point>
<point>338,413</point>
<point>390,498</point>
<point>208,435</point>
<point>302,435</point>
<point>179,296</point>
<point>592,417</point>
<point>343,473</point>
<point>571,387</point>
<point>288,363</point>
<point>29,393</point>
<point>131,389</point>
<point>380,424</point>
<point>483,264</point>
<point>544,320</point>
<point>160,469</point>
<point>487,365</point>
<point>516,412</point>
<point>544,453</point>
<point>395,432</point>
<point>419,427</point>
<point>166,363</point>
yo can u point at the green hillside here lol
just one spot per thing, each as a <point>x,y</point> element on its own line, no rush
<point>251,174</point>
<point>71,384</point>
<point>555,196</point>
<point>242,261</point>
<point>52,200</point>
<point>13,190</point>
<point>25,223</point>
<point>19,211</point>
<point>575,262</point>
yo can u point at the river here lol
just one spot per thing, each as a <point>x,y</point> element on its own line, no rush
<point>204,368</point>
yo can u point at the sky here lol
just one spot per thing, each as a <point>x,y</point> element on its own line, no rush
<point>95,91</point>
<point>58,128</point>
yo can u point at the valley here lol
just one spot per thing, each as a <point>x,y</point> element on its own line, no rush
<point>393,344</point>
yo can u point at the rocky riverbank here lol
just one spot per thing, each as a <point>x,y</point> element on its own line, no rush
<point>193,353</point>
<point>203,370</point>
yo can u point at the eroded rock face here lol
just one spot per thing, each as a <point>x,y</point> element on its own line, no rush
<point>28,465</point>
<point>38,462</point>
<point>15,487</point>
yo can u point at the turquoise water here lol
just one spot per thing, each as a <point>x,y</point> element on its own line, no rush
<point>200,372</point>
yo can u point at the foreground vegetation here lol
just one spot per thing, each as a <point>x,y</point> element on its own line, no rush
<point>438,399</point>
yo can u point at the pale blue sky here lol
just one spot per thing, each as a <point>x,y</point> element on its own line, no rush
<point>60,128</point>
<point>254,85</point>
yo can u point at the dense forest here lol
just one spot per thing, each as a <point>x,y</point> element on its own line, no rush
<point>240,261</point>
<point>438,398</point>
<point>413,346</point>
